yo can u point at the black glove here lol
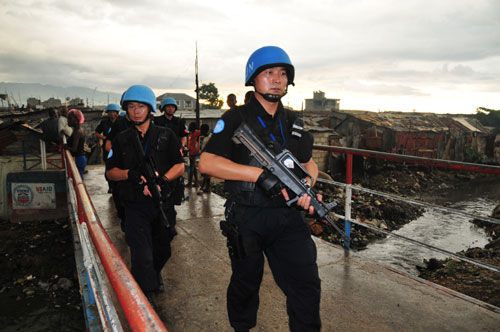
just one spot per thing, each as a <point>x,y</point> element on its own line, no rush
<point>165,185</point>
<point>269,183</point>
<point>134,175</point>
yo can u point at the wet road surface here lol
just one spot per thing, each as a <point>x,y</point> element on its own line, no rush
<point>357,294</point>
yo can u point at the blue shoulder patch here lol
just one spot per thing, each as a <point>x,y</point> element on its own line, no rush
<point>110,154</point>
<point>219,126</point>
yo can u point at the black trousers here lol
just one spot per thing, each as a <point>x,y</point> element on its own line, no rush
<point>285,238</point>
<point>149,241</point>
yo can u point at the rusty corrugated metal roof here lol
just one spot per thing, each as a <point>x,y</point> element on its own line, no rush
<point>402,121</point>
<point>471,123</point>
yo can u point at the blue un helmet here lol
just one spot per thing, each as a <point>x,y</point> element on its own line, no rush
<point>267,57</point>
<point>141,94</point>
<point>168,101</point>
<point>113,107</point>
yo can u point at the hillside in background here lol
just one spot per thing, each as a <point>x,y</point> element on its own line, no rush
<point>20,92</point>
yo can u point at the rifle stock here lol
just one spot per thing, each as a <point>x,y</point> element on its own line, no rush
<point>281,166</point>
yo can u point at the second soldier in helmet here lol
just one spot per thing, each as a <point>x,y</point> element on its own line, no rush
<point>168,107</point>
<point>146,234</point>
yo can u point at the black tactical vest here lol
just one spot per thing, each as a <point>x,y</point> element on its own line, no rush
<point>247,193</point>
<point>155,143</point>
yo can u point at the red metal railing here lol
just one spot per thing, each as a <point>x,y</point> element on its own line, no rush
<point>480,168</point>
<point>136,308</point>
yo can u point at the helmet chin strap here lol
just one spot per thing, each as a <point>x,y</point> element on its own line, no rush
<point>138,123</point>
<point>272,98</point>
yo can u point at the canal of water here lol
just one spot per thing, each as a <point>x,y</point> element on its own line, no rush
<point>443,230</point>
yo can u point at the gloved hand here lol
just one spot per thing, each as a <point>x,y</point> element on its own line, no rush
<point>269,183</point>
<point>165,185</point>
<point>134,175</point>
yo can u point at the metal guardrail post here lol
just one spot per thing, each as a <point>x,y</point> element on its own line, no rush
<point>43,155</point>
<point>348,196</point>
<point>24,156</point>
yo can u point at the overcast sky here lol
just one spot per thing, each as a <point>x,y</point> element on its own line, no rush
<point>428,56</point>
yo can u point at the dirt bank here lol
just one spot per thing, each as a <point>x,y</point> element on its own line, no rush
<point>38,285</point>
<point>467,278</point>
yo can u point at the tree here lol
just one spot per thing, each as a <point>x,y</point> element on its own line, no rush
<point>210,93</point>
<point>488,117</point>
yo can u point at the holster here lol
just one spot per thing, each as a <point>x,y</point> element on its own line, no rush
<point>239,246</point>
<point>178,191</point>
<point>234,242</point>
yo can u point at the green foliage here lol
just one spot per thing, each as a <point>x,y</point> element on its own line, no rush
<point>488,117</point>
<point>210,93</point>
<point>451,268</point>
<point>474,156</point>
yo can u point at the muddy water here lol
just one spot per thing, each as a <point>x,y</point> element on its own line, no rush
<point>447,231</point>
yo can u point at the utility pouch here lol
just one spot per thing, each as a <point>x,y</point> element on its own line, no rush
<point>178,191</point>
<point>234,242</point>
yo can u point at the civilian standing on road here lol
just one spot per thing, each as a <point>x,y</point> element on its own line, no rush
<point>193,146</point>
<point>62,125</point>
<point>205,178</point>
<point>231,101</point>
<point>50,130</point>
<point>76,142</point>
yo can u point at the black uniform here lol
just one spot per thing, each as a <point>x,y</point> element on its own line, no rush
<point>121,123</point>
<point>104,127</point>
<point>177,125</point>
<point>267,226</point>
<point>148,238</point>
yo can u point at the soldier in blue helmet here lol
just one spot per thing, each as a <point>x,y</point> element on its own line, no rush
<point>168,106</point>
<point>257,217</point>
<point>103,128</point>
<point>146,234</point>
<point>178,125</point>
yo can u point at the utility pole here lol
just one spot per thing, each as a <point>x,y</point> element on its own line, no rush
<point>93,92</point>
<point>197,110</point>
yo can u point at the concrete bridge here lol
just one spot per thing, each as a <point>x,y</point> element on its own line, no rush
<point>357,294</point>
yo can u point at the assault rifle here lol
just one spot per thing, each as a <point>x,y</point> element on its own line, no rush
<point>153,179</point>
<point>283,166</point>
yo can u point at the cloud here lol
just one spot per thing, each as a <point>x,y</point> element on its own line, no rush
<point>385,89</point>
<point>451,74</point>
<point>386,47</point>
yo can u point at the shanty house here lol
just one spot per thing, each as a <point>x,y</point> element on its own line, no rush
<point>441,136</point>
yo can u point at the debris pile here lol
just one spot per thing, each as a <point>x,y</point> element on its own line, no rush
<point>38,283</point>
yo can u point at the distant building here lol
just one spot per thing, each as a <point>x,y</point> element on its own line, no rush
<point>184,101</point>
<point>52,102</point>
<point>33,102</point>
<point>320,103</point>
<point>76,102</point>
